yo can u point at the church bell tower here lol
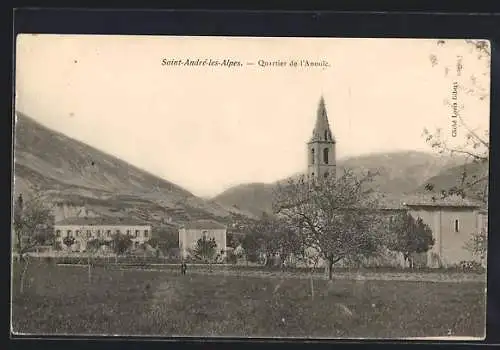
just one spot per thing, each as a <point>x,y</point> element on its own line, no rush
<point>321,161</point>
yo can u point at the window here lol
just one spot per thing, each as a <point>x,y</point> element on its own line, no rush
<point>136,233</point>
<point>312,156</point>
<point>146,233</point>
<point>98,233</point>
<point>118,232</point>
<point>58,233</point>
<point>77,233</point>
<point>204,234</point>
<point>325,155</point>
<point>326,135</point>
<point>325,174</point>
<point>457,226</point>
<point>128,232</point>
<point>108,233</point>
<point>89,234</point>
<point>68,233</point>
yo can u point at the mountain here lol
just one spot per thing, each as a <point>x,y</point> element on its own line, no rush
<point>398,173</point>
<point>72,174</point>
<point>474,182</point>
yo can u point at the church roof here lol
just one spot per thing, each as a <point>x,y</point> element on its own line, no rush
<point>322,130</point>
<point>391,201</point>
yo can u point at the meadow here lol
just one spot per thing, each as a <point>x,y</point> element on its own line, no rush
<point>60,300</point>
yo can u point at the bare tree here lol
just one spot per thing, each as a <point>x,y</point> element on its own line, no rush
<point>31,217</point>
<point>471,85</point>
<point>336,217</point>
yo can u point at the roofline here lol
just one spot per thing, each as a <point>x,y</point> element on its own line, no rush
<point>443,205</point>
<point>94,224</point>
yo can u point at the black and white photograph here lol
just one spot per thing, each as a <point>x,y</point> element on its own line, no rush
<point>250,187</point>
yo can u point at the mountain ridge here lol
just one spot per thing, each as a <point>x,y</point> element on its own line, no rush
<point>400,172</point>
<point>66,170</point>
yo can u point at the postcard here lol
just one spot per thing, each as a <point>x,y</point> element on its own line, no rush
<point>175,186</point>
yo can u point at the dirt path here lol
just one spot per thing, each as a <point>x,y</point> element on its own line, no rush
<point>368,276</point>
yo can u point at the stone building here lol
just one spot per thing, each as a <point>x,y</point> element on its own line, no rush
<point>84,230</point>
<point>192,231</point>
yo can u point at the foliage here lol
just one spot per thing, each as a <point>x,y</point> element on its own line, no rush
<point>205,249</point>
<point>408,236</point>
<point>252,246</point>
<point>69,241</point>
<point>32,222</point>
<point>168,238</point>
<point>232,240</point>
<point>336,217</point>
<point>478,245</point>
<point>153,242</point>
<point>121,243</point>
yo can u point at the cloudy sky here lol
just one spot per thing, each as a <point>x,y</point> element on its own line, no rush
<point>208,128</point>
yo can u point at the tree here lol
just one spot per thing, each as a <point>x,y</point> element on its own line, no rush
<point>408,236</point>
<point>30,218</point>
<point>121,243</point>
<point>205,249</point>
<point>478,245</point>
<point>470,74</point>
<point>336,217</point>
<point>252,246</point>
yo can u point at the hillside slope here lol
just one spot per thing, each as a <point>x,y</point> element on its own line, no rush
<point>399,173</point>
<point>71,172</point>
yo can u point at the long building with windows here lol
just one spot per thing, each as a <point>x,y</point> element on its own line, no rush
<point>84,230</point>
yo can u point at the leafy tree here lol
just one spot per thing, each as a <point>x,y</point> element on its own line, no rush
<point>205,249</point>
<point>336,217</point>
<point>153,242</point>
<point>69,241</point>
<point>121,243</point>
<point>31,217</point>
<point>251,245</point>
<point>232,240</point>
<point>408,236</point>
<point>478,245</point>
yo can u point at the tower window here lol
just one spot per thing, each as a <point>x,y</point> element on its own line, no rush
<point>312,175</point>
<point>325,175</point>
<point>325,155</point>
<point>457,226</point>
<point>312,155</point>
<point>326,135</point>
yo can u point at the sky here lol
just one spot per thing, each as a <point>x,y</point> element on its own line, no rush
<point>207,128</point>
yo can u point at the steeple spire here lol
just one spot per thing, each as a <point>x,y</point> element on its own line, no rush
<point>321,148</point>
<point>322,130</point>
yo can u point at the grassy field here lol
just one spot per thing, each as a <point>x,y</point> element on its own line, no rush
<point>60,300</point>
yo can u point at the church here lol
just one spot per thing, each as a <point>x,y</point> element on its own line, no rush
<point>451,219</point>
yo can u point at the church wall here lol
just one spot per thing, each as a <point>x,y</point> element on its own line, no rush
<point>449,245</point>
<point>453,242</point>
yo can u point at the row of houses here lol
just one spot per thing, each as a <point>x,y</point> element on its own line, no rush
<point>451,219</point>
<point>85,229</point>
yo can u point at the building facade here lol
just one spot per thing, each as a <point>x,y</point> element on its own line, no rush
<point>84,230</point>
<point>190,233</point>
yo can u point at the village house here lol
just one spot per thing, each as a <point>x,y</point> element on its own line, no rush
<point>191,232</point>
<point>87,229</point>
